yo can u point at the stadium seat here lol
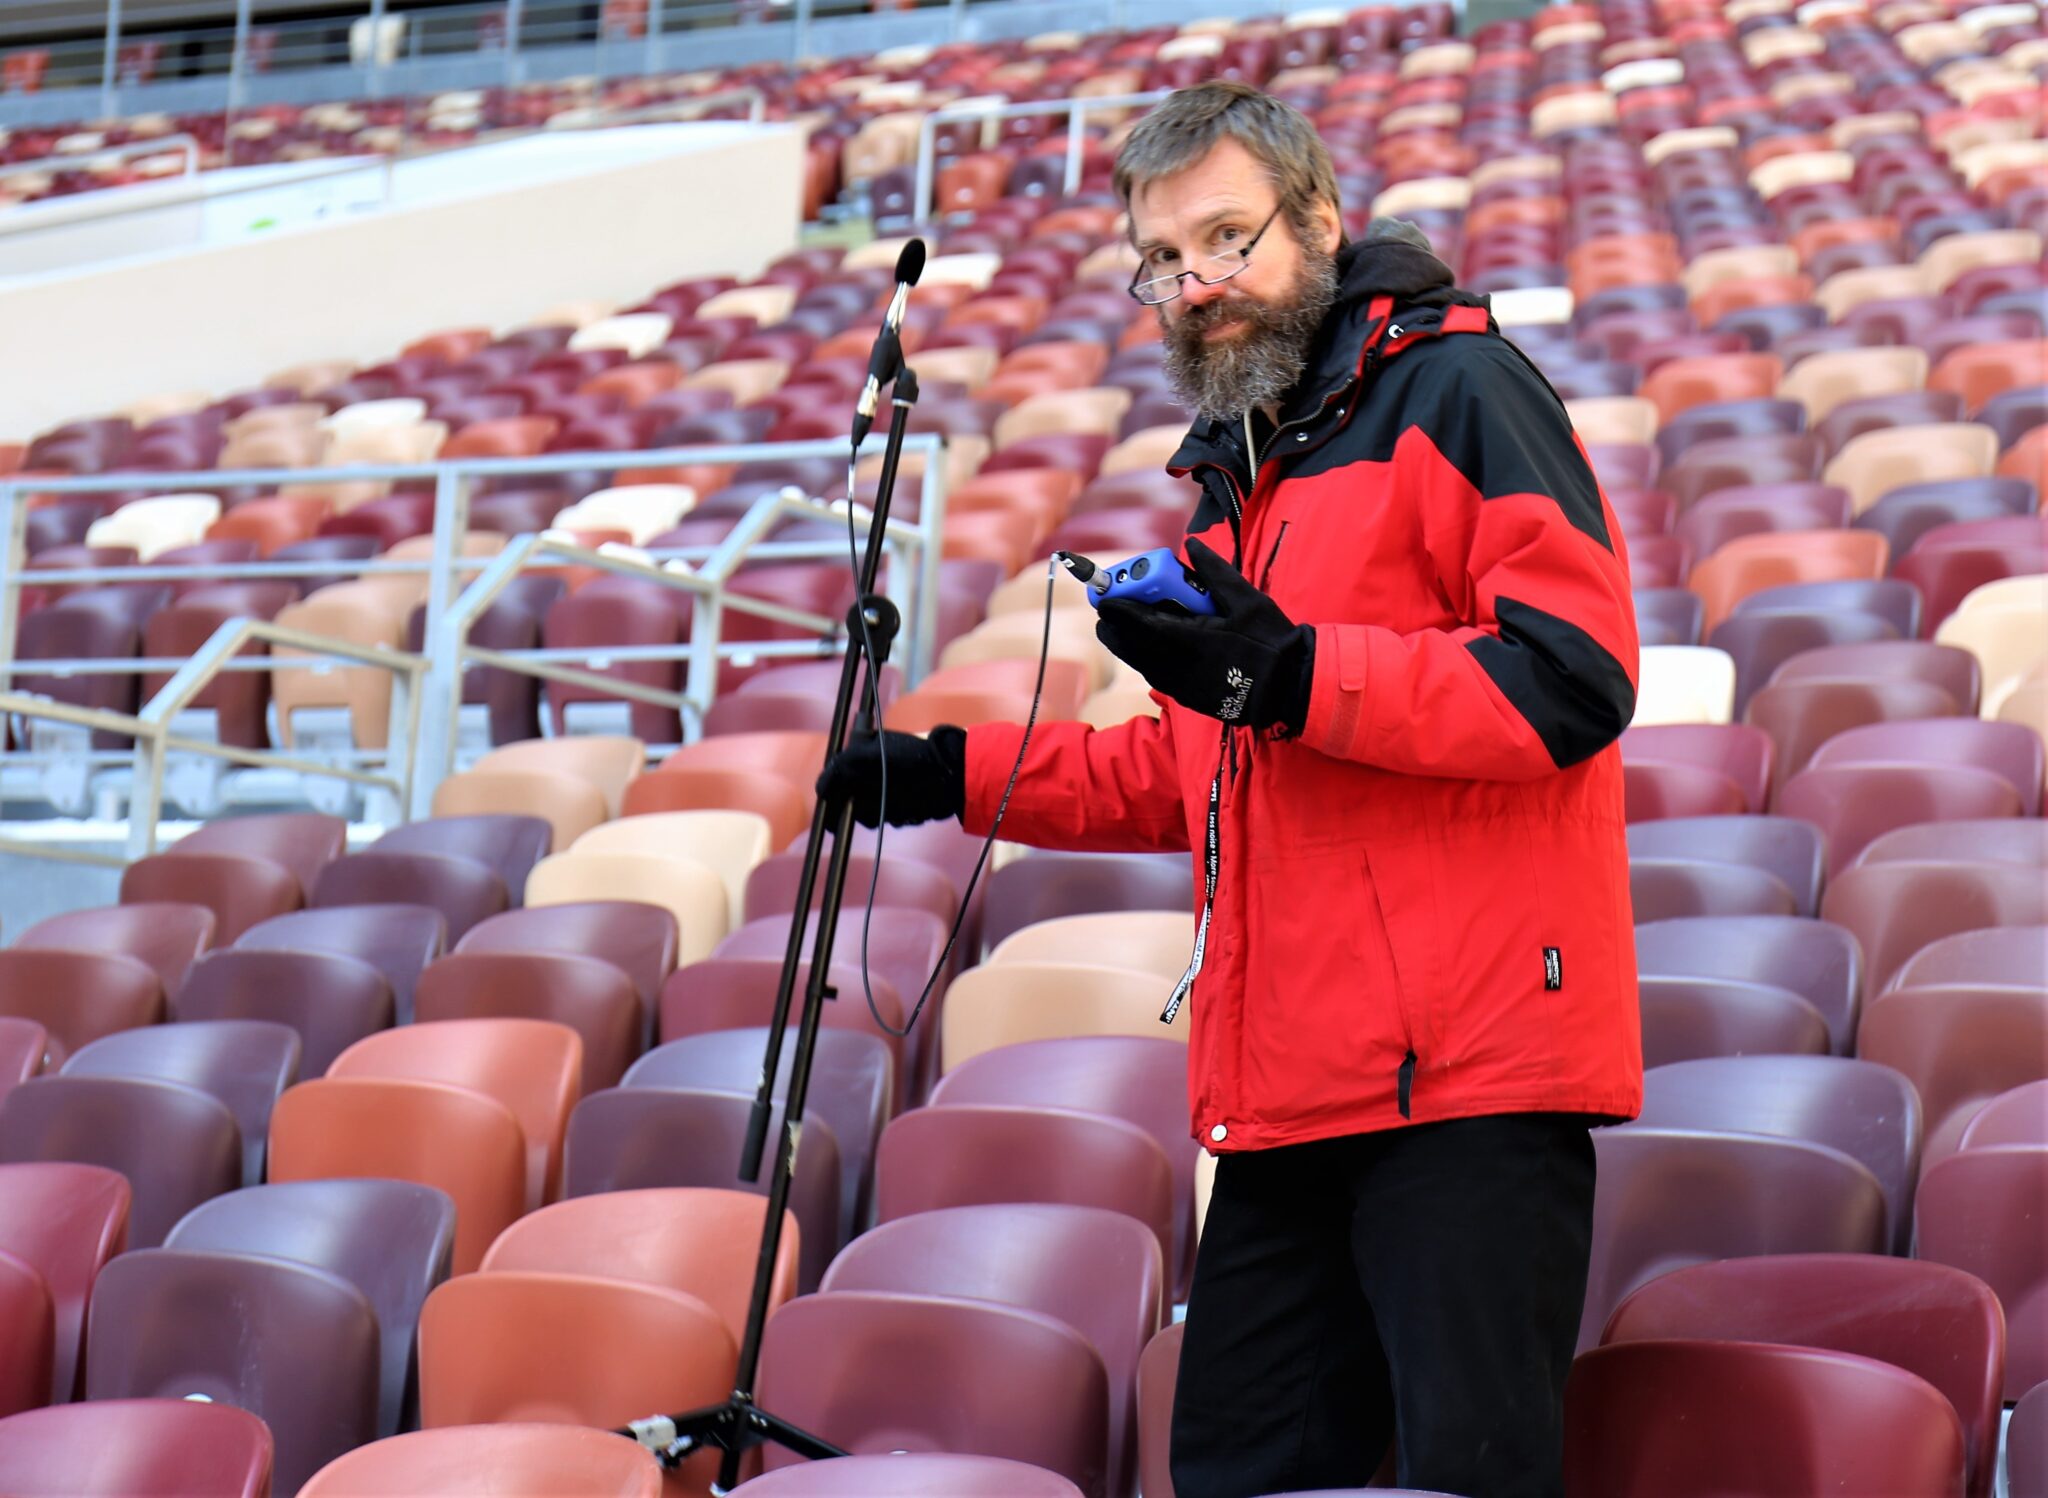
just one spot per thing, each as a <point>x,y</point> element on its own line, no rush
<point>136,1448</point>
<point>77,997</point>
<point>472,1461</point>
<point>64,1221</point>
<point>397,940</point>
<point>1972,1213</point>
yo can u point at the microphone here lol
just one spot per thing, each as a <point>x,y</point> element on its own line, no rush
<point>887,357</point>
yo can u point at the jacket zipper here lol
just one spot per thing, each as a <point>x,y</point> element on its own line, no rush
<point>1273,556</point>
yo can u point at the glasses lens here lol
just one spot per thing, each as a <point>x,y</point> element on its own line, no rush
<point>1153,293</point>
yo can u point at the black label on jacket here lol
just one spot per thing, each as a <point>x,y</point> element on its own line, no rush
<point>1553,969</point>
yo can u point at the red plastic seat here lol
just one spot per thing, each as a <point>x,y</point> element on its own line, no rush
<point>135,1448</point>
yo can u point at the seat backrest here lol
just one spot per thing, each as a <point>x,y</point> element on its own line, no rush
<point>302,842</point>
<point>587,994</point>
<point>329,1000</point>
<point>148,1448</point>
<point>390,1239</point>
<point>397,940</point>
<point>507,843</point>
<point>1003,1003</point>
<point>461,889</point>
<point>637,938</point>
<point>730,842</point>
<point>78,996</point>
<point>64,1220</point>
<point>1818,961</point>
<point>1961,1045</point>
<point>240,890</point>
<point>481,1459</point>
<point>1897,909</point>
<point>568,804</point>
<point>1853,804</point>
<point>168,936</point>
<point>692,893</point>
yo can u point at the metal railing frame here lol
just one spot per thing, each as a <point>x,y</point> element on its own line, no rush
<point>426,737</point>
<point>1076,109</point>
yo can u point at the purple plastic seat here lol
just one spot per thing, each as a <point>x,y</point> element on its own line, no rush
<point>1735,750</point>
<point>331,1001</point>
<point>1981,1211</point>
<point>78,996</point>
<point>1722,419</point>
<point>2011,751</point>
<point>390,1239</point>
<point>135,1448</point>
<point>1020,1255</point>
<point>1789,850</point>
<point>630,1138</point>
<point>176,1145</point>
<point>1961,1045</point>
<point>903,884</point>
<point>505,843</point>
<point>872,1372</point>
<point>1679,1419</point>
<point>912,1474</point>
<point>1867,1111</point>
<point>1762,640</point>
<point>639,940</point>
<point>2015,412</point>
<point>302,842</point>
<point>852,1084</point>
<point>1666,1198</point>
<point>1667,888</point>
<point>1692,1019</point>
<point>904,948</point>
<point>1854,803</point>
<point>1718,463</point>
<point>1669,616</point>
<point>168,937</point>
<point>1044,886</point>
<point>1751,509</point>
<point>397,940</point>
<point>1889,599</point>
<point>243,1063</point>
<point>1878,413</point>
<point>2026,1445</point>
<point>1954,670</point>
<point>294,1345</point>
<point>1818,961</point>
<point>64,1221</point>
<point>1933,1321</point>
<point>966,1154</point>
<point>461,889</point>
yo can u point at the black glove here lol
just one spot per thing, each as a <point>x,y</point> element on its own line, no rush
<point>1248,663</point>
<point>927,776</point>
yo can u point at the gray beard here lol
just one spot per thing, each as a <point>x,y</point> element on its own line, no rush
<point>1259,366</point>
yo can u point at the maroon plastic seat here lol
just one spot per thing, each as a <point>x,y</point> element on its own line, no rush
<point>303,842</point>
<point>507,844</point>
<point>330,1001</point>
<point>1946,575</point>
<point>1020,1255</point>
<point>2011,840</point>
<point>966,1154</point>
<point>135,1448</point>
<point>84,625</point>
<point>1760,642</point>
<point>1867,1111</point>
<point>176,1145</point>
<point>1668,616</point>
<point>2006,957</point>
<point>168,937</point>
<point>243,1063</point>
<point>1043,886</point>
<point>1962,1046</point>
<point>1908,512</point>
<point>64,1220</point>
<point>728,993</point>
<point>1666,1198</point>
<point>903,884</point>
<point>639,940</point>
<point>1730,462</point>
<point>1887,598</point>
<point>1717,420</point>
<point>1952,669</point>
<point>1933,1321</point>
<point>631,1138</point>
<point>1853,804</point>
<point>618,611</point>
<point>912,1474</point>
<point>78,996</point>
<point>1678,1419</point>
<point>1787,849</point>
<point>1819,962</point>
<point>903,947</point>
<point>1896,909</point>
<point>23,1043</point>
<point>853,1081</point>
<point>1980,1211</point>
<point>397,940</point>
<point>589,995</point>
<point>28,1335</point>
<point>240,890</point>
<point>1718,518</point>
<point>344,551</point>
<point>461,889</point>
<point>239,699</point>
<point>1736,751</point>
<point>390,1239</point>
<point>294,1345</point>
<point>872,1372</point>
<point>1801,715</point>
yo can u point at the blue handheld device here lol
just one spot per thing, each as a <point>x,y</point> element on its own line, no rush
<point>1156,577</point>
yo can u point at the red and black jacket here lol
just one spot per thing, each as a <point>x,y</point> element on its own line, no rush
<point>1421,907</point>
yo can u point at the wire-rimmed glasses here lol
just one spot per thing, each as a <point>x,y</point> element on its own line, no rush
<point>1156,291</point>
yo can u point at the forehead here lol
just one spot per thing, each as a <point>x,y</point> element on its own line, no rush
<point>1229,178</point>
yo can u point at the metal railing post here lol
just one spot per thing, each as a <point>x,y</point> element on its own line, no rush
<point>654,19</point>
<point>373,81</point>
<point>931,519</point>
<point>927,160</point>
<point>440,714</point>
<point>110,68</point>
<point>237,62</point>
<point>14,510</point>
<point>514,11</point>
<point>800,33</point>
<point>1077,134</point>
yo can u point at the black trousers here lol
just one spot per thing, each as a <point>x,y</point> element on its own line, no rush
<point>1420,1287</point>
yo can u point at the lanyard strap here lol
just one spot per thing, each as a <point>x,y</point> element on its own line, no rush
<point>1211,856</point>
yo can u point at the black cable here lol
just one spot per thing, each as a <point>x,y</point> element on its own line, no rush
<point>874,690</point>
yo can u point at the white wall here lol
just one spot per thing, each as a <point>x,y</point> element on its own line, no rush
<point>490,237</point>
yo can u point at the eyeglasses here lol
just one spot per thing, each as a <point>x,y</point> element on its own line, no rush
<point>1158,290</point>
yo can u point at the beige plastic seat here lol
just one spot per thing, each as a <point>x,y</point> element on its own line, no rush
<point>1144,451</point>
<point>605,762</point>
<point>2010,643</point>
<point>2027,703</point>
<point>882,144</point>
<point>398,410</point>
<point>1614,418</point>
<point>1931,41</point>
<point>1191,44</point>
<point>278,446</point>
<point>876,254</point>
<point>171,403</point>
<point>730,843</point>
<point>1419,117</point>
<point>1518,168</point>
<point>692,892</point>
<point>533,1066</point>
<point>637,333</point>
<point>1979,162</point>
<point>1762,48</point>
<point>367,445</point>
<point>156,524</point>
<point>359,615</point>
<point>1872,465</point>
<point>580,313</point>
<point>1586,111</point>
<point>1150,941</point>
<point>964,457</point>
<point>643,511</point>
<point>1119,258</point>
<point>1801,169</point>
<point>745,380</point>
<point>1003,1003</point>
<point>1439,60</point>
<point>1422,194</point>
<point>2025,593</point>
<point>975,270</point>
<point>1949,257</point>
<point>972,367</point>
<point>765,304</point>
<point>1024,593</point>
<point>1094,411</point>
<point>1823,381</point>
<point>1846,290</point>
<point>1844,133</point>
<point>1118,703</point>
<point>1570,33</point>
<point>571,806</point>
<point>1526,306</point>
<point>294,415</point>
<point>314,375</point>
<point>1019,635</point>
<point>1793,87</point>
<point>1685,684</point>
<point>1742,263</point>
<point>406,591</point>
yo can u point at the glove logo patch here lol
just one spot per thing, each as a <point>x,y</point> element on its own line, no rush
<point>1240,691</point>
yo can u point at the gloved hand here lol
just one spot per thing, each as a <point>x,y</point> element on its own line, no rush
<point>927,776</point>
<point>1247,664</point>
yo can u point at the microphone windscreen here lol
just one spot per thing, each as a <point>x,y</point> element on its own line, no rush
<point>910,264</point>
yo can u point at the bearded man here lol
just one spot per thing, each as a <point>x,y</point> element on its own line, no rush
<point>1392,754</point>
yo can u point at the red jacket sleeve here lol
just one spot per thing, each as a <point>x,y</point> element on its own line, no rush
<point>1081,789</point>
<point>1540,671</point>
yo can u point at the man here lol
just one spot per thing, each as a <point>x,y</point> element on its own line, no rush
<point>1393,748</point>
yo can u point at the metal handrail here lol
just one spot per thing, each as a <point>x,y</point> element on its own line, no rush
<point>1075,108</point>
<point>72,161</point>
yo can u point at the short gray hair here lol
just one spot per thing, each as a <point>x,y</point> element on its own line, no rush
<point>1189,123</point>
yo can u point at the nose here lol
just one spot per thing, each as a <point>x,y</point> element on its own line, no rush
<point>1196,294</point>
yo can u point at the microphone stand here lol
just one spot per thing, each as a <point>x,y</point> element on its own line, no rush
<point>738,1425</point>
